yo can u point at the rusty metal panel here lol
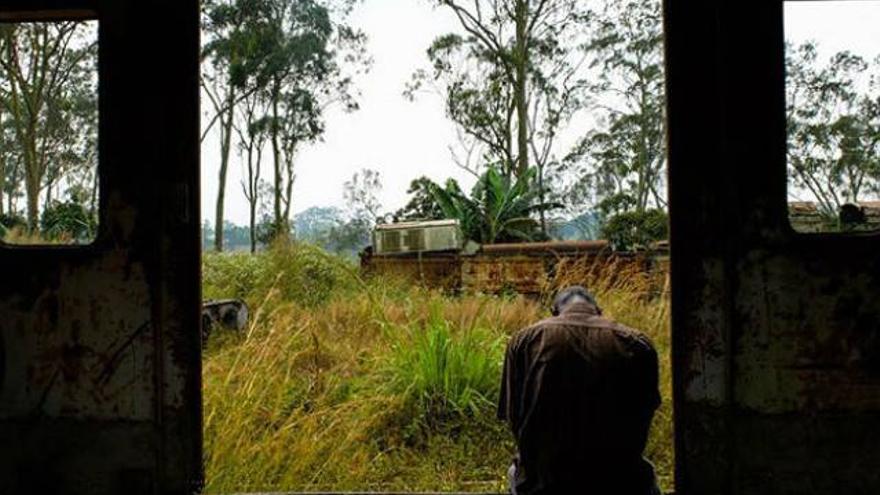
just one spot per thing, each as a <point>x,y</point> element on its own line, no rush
<point>519,274</point>
<point>432,270</point>
<point>99,345</point>
<point>776,340</point>
<point>526,268</point>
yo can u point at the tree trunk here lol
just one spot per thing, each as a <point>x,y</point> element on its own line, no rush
<point>225,148</point>
<point>47,201</point>
<point>11,205</point>
<point>542,197</point>
<point>521,61</point>
<point>252,191</point>
<point>32,190</point>
<point>32,177</point>
<point>280,228</point>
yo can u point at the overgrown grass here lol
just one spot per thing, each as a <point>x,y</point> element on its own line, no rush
<point>346,384</point>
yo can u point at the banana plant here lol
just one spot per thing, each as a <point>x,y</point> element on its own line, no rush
<point>499,209</point>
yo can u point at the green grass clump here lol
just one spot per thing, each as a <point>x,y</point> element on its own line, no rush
<point>444,372</point>
<point>341,384</point>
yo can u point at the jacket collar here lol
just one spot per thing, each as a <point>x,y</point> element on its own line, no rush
<point>581,308</point>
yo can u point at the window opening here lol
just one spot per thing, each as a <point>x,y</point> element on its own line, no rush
<point>833,112</point>
<point>49,187</point>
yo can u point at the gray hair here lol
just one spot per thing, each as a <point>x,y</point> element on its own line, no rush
<point>570,295</point>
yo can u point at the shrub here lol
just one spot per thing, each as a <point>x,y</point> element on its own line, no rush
<point>635,230</point>
<point>68,220</point>
<point>234,275</point>
<point>10,223</point>
<point>289,272</point>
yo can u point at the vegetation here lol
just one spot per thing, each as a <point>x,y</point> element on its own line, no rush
<point>512,78</point>
<point>500,208</point>
<point>48,116</point>
<point>833,127</point>
<point>619,166</point>
<point>342,383</point>
<point>274,67</point>
<point>633,231</point>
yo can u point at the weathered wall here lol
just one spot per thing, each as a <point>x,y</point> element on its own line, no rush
<point>776,335</point>
<point>99,345</point>
<point>526,269</point>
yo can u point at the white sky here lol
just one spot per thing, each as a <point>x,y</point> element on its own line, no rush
<point>404,139</point>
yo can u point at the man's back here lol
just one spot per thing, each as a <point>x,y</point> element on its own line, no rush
<point>579,392</point>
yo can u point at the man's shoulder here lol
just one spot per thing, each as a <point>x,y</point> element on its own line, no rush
<point>547,328</point>
<point>632,336</point>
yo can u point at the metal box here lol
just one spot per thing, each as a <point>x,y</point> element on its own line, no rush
<point>418,237</point>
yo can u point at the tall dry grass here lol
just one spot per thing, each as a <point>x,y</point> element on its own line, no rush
<point>345,384</point>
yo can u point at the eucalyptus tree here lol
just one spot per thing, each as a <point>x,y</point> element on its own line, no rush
<point>48,105</point>
<point>234,56</point>
<point>833,110</point>
<point>313,58</point>
<point>251,126</point>
<point>619,166</point>
<point>513,79</point>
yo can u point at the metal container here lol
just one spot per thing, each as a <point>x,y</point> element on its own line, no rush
<point>418,237</point>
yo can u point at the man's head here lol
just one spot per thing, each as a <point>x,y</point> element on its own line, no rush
<point>569,296</point>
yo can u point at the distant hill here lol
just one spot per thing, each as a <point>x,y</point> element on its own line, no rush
<point>584,227</point>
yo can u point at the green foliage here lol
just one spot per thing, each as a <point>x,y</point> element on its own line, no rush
<point>286,62</point>
<point>298,272</point>
<point>443,373</point>
<point>68,220</point>
<point>500,209</point>
<point>620,164</point>
<point>422,204</point>
<point>48,110</point>
<point>635,230</point>
<point>10,222</point>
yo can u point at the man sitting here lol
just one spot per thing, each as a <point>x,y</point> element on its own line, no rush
<point>579,392</point>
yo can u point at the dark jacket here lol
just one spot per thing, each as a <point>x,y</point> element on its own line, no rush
<point>579,392</point>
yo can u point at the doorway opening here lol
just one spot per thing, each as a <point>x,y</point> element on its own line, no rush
<point>393,190</point>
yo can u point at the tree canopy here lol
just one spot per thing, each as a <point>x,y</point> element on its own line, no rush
<point>833,110</point>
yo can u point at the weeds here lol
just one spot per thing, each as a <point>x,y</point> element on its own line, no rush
<point>445,372</point>
<point>344,384</point>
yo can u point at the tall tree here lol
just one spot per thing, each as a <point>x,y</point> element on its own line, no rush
<point>512,81</point>
<point>252,129</point>
<point>235,51</point>
<point>314,56</point>
<point>833,127</point>
<point>620,165</point>
<point>49,99</point>
<point>361,195</point>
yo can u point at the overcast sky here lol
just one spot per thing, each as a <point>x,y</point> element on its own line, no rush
<point>404,139</point>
